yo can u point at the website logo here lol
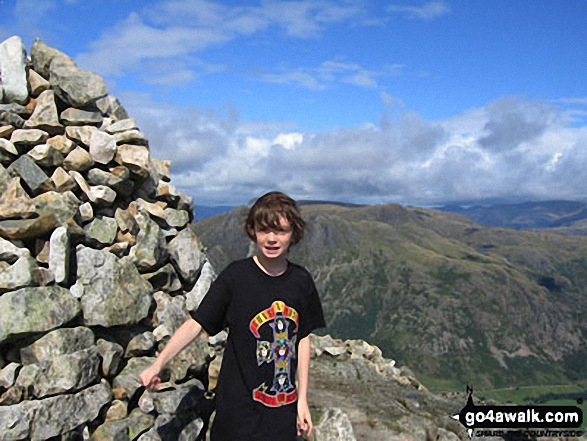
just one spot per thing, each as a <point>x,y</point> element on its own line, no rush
<point>499,420</point>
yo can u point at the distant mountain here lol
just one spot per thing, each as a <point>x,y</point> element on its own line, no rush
<point>453,300</point>
<point>204,211</point>
<point>561,216</point>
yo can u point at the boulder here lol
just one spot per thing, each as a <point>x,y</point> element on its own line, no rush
<point>102,147</point>
<point>35,309</point>
<point>58,342</point>
<point>33,177</point>
<point>49,417</point>
<point>334,425</point>
<point>18,275</point>
<point>13,82</point>
<point>61,374</point>
<point>75,86</point>
<point>37,83</point>
<point>186,255</point>
<point>112,290</point>
<point>45,116</point>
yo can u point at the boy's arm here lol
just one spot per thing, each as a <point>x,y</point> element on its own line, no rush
<point>304,417</point>
<point>177,343</point>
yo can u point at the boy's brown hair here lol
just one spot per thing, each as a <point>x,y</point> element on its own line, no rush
<point>265,213</point>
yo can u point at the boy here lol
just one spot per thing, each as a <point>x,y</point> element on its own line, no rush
<point>270,306</point>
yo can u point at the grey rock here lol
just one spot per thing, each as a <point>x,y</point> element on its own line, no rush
<point>62,144</point>
<point>112,431</point>
<point>135,157</point>
<point>33,176</point>
<point>35,309</point>
<point>113,292</point>
<point>334,425</point>
<point>170,315</point>
<point>75,86</point>
<point>121,126</point>
<point>170,311</point>
<point>110,106</point>
<point>58,342</point>
<point>5,130</point>
<point>150,249</point>
<point>62,181</point>
<point>78,160</point>
<point>176,218</point>
<point>141,344</point>
<point>86,212</point>
<point>186,255</point>
<point>46,156</point>
<point>161,167</point>
<point>10,253</point>
<point>128,379</point>
<point>138,423</point>
<point>101,195</point>
<point>101,231</point>
<point>14,120</point>
<point>18,275</point>
<point>97,176</point>
<point>53,209</point>
<point>37,83</point>
<point>78,117</point>
<point>64,373</point>
<point>102,147</point>
<point>176,427</point>
<point>111,354</point>
<point>187,395</point>
<point>127,222</point>
<point>196,295</point>
<point>25,138</point>
<point>43,419</point>
<point>41,56</point>
<point>7,151</point>
<point>98,194</point>
<point>17,109</point>
<point>45,115</point>
<point>164,279</point>
<point>13,69</point>
<point>9,374</point>
<point>81,135</point>
<point>59,254</point>
<point>135,137</point>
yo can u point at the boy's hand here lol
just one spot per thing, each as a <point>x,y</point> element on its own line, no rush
<point>150,378</point>
<point>304,419</point>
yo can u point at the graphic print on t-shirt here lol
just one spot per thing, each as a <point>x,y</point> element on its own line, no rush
<point>281,351</point>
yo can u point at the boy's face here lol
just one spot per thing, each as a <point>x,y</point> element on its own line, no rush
<point>273,243</point>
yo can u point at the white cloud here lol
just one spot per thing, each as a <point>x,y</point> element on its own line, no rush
<point>220,159</point>
<point>330,72</point>
<point>427,11</point>
<point>173,30</point>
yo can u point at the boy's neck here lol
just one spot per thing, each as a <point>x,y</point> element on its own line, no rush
<point>273,267</point>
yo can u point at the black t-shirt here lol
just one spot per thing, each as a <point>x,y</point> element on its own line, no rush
<point>267,317</point>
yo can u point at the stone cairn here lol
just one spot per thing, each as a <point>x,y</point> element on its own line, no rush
<point>99,264</point>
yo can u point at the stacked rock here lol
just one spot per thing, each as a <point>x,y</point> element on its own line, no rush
<point>99,263</point>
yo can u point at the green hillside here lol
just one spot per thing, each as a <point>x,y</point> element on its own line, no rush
<point>455,301</point>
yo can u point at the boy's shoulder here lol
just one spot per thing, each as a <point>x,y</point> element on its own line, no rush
<point>236,266</point>
<point>300,271</point>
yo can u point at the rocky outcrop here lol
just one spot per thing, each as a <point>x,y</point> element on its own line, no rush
<point>96,263</point>
<point>358,394</point>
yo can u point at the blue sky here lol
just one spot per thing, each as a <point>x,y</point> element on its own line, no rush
<point>416,102</point>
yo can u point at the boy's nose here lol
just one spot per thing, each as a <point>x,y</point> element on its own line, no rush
<point>272,236</point>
